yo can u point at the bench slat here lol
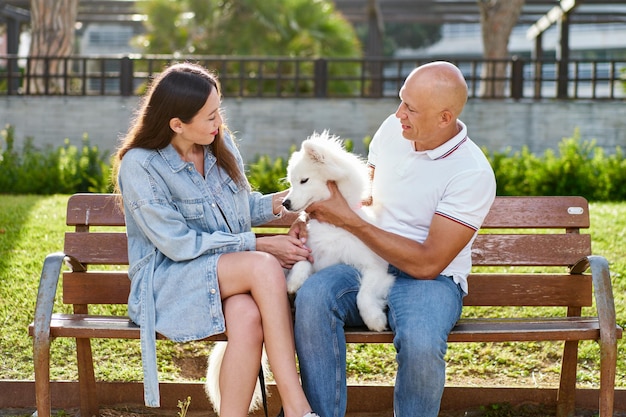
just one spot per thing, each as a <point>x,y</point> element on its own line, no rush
<point>472,330</point>
<point>529,290</point>
<point>94,210</point>
<point>104,248</point>
<point>541,212</point>
<point>101,287</point>
<point>530,250</point>
<point>105,287</point>
<point>110,248</point>
<point>510,212</point>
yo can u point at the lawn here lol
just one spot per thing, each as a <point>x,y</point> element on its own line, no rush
<point>33,226</point>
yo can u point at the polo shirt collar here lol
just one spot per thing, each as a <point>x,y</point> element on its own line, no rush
<point>450,146</point>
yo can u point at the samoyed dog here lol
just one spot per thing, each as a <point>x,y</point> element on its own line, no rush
<point>323,158</point>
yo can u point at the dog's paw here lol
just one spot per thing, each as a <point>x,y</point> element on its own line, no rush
<point>298,274</point>
<point>372,310</point>
<point>374,320</point>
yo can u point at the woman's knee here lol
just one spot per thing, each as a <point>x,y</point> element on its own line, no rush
<point>243,318</point>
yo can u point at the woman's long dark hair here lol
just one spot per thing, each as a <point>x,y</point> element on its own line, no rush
<point>179,91</point>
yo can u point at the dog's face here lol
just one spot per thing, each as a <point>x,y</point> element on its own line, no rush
<point>307,172</point>
<point>322,158</point>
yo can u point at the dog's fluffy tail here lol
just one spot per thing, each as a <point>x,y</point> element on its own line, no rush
<point>212,384</point>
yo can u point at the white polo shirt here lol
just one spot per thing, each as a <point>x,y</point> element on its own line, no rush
<point>454,180</point>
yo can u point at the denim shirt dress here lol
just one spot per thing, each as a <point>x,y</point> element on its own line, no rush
<point>178,224</point>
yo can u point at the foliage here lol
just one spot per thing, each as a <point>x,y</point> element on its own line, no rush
<point>183,406</point>
<point>267,176</point>
<point>579,168</point>
<point>251,28</point>
<point>247,27</point>
<point>66,169</point>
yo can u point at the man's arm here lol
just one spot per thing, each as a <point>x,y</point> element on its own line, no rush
<point>446,238</point>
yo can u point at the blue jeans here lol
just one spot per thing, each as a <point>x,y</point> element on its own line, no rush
<point>421,315</point>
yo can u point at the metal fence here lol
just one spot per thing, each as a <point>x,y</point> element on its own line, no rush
<point>265,77</point>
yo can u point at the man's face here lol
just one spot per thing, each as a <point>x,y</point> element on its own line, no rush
<point>416,114</point>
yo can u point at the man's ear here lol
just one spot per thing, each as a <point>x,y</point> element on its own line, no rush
<point>446,117</point>
<point>176,125</point>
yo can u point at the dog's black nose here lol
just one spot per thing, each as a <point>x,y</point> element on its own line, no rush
<point>287,204</point>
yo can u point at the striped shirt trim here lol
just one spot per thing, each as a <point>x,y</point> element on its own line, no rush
<point>456,220</point>
<point>445,155</point>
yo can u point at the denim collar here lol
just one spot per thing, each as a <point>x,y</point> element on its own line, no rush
<point>176,163</point>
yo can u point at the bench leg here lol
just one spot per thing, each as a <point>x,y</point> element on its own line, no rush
<point>41,358</point>
<point>86,379</point>
<point>608,364</point>
<point>566,397</point>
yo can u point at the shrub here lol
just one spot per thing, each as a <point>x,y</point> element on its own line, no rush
<point>579,168</point>
<point>65,170</point>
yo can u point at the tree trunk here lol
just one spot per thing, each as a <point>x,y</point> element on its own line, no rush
<point>498,18</point>
<point>52,32</point>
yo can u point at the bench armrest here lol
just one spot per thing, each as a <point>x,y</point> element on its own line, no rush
<point>603,291</point>
<point>46,294</point>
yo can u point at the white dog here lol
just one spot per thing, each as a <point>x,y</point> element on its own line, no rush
<point>322,158</point>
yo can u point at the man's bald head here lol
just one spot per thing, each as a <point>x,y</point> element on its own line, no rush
<point>442,83</point>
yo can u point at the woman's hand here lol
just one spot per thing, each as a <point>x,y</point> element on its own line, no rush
<point>298,228</point>
<point>287,249</point>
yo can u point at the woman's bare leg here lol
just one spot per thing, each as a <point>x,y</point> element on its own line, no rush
<point>240,366</point>
<point>261,275</point>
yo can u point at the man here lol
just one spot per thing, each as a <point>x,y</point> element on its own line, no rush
<point>431,189</point>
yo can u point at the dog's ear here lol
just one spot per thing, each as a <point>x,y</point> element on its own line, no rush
<point>314,151</point>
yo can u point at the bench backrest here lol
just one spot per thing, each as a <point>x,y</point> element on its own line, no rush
<point>518,232</point>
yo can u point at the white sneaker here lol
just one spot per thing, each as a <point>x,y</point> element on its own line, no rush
<point>311,414</point>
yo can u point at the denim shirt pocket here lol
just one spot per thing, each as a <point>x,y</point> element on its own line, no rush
<point>193,212</point>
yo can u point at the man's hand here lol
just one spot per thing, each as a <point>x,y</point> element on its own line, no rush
<point>335,210</point>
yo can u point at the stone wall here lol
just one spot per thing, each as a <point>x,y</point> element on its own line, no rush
<point>272,126</point>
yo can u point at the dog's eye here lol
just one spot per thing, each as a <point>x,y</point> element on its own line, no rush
<point>304,181</point>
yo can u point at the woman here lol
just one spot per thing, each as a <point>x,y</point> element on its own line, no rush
<point>196,268</point>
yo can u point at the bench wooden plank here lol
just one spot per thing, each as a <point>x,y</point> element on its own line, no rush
<point>110,248</point>
<point>110,287</point>
<point>509,212</point>
<point>529,250</point>
<point>94,209</point>
<point>466,330</point>
<point>104,248</point>
<point>540,212</point>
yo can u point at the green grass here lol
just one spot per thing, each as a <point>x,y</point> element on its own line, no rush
<point>33,226</point>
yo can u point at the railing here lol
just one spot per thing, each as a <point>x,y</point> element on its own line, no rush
<point>308,78</point>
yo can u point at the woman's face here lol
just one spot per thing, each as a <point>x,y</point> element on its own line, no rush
<point>204,126</point>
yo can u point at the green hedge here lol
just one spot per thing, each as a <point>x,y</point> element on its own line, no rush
<point>64,170</point>
<point>577,167</point>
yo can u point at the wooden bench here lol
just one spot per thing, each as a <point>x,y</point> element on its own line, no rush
<point>526,231</point>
